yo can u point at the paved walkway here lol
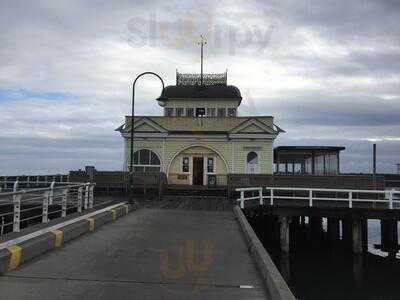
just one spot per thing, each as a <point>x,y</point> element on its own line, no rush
<point>149,254</point>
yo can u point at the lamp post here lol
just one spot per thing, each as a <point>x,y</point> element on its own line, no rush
<point>160,99</point>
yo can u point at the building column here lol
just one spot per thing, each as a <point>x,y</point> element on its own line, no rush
<point>357,236</point>
<point>284,234</point>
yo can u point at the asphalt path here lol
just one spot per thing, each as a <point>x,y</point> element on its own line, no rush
<point>148,254</point>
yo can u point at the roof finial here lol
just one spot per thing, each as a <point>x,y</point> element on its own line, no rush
<point>201,43</point>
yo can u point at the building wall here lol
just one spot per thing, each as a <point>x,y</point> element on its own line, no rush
<point>201,103</point>
<point>232,152</point>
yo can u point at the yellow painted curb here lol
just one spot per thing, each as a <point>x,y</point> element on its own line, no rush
<point>91,224</point>
<point>15,259</point>
<point>114,214</point>
<point>58,238</point>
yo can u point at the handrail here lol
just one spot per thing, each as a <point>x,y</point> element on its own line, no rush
<point>44,203</point>
<point>311,196</point>
<point>26,191</point>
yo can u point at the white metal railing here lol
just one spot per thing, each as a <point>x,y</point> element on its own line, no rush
<point>311,195</point>
<point>30,181</point>
<point>39,205</point>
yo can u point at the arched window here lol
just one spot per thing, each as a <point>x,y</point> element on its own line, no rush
<point>252,166</point>
<point>145,160</point>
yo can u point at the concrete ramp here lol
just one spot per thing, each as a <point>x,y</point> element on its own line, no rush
<point>149,254</point>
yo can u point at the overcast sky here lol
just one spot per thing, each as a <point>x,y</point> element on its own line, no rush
<point>328,71</point>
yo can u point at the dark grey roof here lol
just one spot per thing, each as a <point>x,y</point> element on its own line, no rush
<point>207,91</point>
<point>309,148</point>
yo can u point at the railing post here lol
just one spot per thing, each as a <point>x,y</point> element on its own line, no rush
<point>241,199</point>
<point>80,192</point>
<point>85,206</point>
<point>37,180</point>
<point>391,199</point>
<point>2,226</point>
<point>64,203</point>
<point>350,199</point>
<point>27,181</point>
<point>272,196</point>
<point>45,208</point>
<point>51,192</point>
<point>260,194</point>
<point>17,212</point>
<point>91,198</point>
<point>15,187</point>
<point>310,195</point>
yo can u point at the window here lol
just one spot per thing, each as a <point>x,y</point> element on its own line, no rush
<point>145,160</point>
<point>252,166</point>
<point>200,112</point>
<point>221,112</point>
<point>210,165</point>
<point>232,112</point>
<point>179,112</point>
<point>189,112</point>
<point>210,112</point>
<point>185,164</point>
<point>169,112</point>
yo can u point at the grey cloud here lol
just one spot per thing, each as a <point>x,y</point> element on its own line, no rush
<point>347,51</point>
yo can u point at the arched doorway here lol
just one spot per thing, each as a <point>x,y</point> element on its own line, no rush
<point>197,165</point>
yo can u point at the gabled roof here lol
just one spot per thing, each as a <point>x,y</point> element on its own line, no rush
<point>252,125</point>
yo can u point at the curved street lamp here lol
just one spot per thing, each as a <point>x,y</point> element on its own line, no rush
<point>159,99</point>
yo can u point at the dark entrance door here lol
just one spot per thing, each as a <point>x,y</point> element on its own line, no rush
<point>198,170</point>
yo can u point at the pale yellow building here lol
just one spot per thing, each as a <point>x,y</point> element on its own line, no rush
<point>200,139</point>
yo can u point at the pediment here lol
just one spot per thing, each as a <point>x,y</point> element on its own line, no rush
<point>252,126</point>
<point>148,125</point>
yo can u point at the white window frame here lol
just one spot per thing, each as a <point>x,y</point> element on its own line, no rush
<point>205,112</point>
<point>211,109</point>
<point>182,109</point>
<point>172,110</point>
<point>148,166</point>
<point>190,167</point>
<point>258,168</point>
<point>217,114</point>
<point>186,113</point>
<point>205,167</point>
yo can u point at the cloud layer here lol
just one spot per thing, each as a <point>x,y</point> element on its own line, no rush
<point>329,71</point>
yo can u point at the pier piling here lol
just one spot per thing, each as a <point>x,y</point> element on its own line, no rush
<point>357,231</point>
<point>284,234</point>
